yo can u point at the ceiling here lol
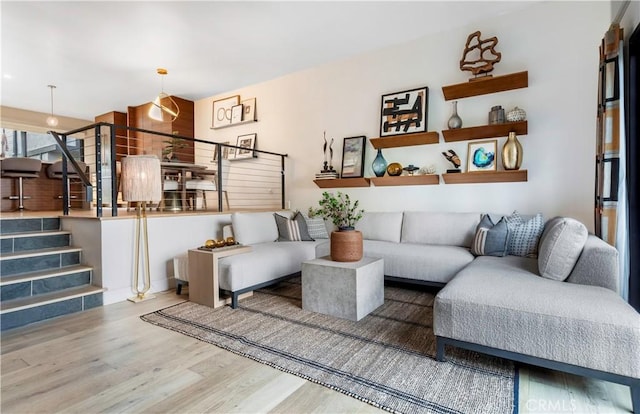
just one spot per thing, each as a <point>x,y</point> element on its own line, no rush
<point>102,56</point>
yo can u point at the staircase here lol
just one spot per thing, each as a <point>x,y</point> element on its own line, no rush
<point>41,275</point>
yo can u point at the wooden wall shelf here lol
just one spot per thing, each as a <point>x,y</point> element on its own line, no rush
<point>420,138</point>
<point>342,182</point>
<point>488,85</point>
<point>248,121</point>
<point>486,177</point>
<point>485,131</point>
<point>429,179</point>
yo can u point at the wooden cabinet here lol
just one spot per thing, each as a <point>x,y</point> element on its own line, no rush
<point>153,144</point>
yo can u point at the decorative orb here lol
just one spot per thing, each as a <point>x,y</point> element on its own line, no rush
<point>210,243</point>
<point>221,243</point>
<point>394,169</point>
<point>516,115</point>
<point>230,241</point>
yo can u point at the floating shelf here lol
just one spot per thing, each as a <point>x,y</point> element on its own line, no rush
<point>483,86</point>
<point>486,177</point>
<point>485,131</point>
<point>406,140</point>
<point>248,121</point>
<point>428,179</point>
<point>342,182</point>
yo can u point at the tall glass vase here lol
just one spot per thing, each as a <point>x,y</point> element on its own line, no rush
<point>379,165</point>
<point>455,121</point>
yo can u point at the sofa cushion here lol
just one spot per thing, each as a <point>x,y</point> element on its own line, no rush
<point>490,239</point>
<point>251,228</point>
<point>266,262</point>
<point>524,234</point>
<point>560,246</point>
<point>316,226</point>
<point>453,229</point>
<point>501,302</point>
<point>381,226</point>
<point>294,229</point>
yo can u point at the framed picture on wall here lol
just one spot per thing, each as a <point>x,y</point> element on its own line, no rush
<point>482,156</point>
<point>246,144</point>
<point>222,111</point>
<point>353,157</point>
<point>404,112</point>
<point>236,114</point>
<point>249,109</point>
<point>225,151</point>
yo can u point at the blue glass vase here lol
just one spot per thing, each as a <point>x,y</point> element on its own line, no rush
<point>379,165</point>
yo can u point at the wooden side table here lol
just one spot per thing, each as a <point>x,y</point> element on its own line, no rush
<point>204,287</point>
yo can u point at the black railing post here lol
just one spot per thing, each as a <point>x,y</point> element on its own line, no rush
<point>218,176</point>
<point>282,180</point>
<point>98,171</point>
<point>66,197</point>
<point>114,177</point>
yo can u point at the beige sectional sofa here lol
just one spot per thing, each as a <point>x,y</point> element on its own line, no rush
<point>572,319</point>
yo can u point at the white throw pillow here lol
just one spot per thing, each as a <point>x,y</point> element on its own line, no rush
<point>560,247</point>
<point>252,228</point>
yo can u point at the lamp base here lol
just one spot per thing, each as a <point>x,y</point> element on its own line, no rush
<point>142,298</point>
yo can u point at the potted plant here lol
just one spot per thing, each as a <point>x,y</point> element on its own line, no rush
<point>346,243</point>
<point>172,148</point>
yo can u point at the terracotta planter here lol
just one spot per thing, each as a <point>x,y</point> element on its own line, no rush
<point>346,246</point>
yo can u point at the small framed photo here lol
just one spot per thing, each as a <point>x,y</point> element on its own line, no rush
<point>249,109</point>
<point>224,150</point>
<point>404,112</point>
<point>221,116</point>
<point>353,157</point>
<point>246,144</point>
<point>236,114</point>
<point>482,156</point>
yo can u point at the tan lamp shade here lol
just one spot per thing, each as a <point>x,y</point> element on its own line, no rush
<point>141,178</point>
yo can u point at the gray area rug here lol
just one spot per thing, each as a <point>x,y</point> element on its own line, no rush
<point>387,359</point>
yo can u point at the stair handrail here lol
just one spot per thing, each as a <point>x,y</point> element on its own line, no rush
<point>69,157</point>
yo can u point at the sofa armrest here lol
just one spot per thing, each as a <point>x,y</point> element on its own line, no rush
<point>597,265</point>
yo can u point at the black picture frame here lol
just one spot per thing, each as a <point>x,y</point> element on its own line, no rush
<point>404,112</point>
<point>353,157</point>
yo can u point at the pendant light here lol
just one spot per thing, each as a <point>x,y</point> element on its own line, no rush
<point>52,121</point>
<point>163,108</point>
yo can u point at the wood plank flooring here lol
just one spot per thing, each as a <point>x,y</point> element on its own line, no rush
<point>108,360</point>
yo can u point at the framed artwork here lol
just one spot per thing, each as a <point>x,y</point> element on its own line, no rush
<point>236,114</point>
<point>249,109</point>
<point>246,144</point>
<point>225,152</point>
<point>353,157</point>
<point>222,111</point>
<point>404,112</point>
<point>482,156</point>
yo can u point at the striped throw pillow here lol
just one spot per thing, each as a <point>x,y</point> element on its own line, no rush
<point>292,229</point>
<point>490,239</point>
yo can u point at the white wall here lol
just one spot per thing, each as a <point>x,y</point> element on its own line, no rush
<point>557,42</point>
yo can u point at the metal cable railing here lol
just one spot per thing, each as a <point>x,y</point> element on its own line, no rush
<point>249,178</point>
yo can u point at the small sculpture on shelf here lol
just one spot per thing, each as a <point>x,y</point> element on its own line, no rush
<point>473,56</point>
<point>410,169</point>
<point>328,163</point>
<point>453,158</point>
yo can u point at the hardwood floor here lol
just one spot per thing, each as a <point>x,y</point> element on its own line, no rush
<point>108,360</point>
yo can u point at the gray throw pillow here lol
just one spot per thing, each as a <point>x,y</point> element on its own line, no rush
<point>524,234</point>
<point>560,247</point>
<point>490,239</point>
<point>294,229</point>
<point>316,227</point>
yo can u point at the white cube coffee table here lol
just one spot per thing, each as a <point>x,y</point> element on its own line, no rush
<point>349,290</point>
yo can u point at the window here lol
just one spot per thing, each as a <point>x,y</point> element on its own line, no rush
<point>36,145</point>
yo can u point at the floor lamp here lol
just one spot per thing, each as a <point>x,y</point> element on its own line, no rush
<point>141,182</point>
